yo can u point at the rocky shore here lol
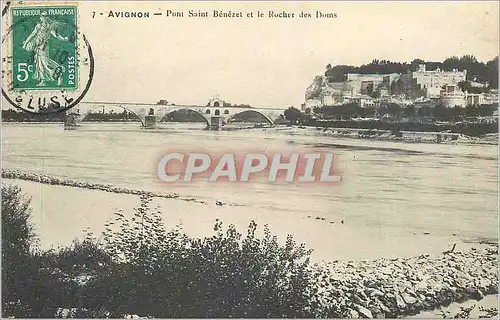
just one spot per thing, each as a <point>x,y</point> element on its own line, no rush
<point>388,135</point>
<point>396,288</point>
<point>411,136</point>
<point>388,288</point>
<point>46,179</point>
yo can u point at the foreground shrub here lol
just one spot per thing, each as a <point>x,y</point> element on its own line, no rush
<point>34,283</point>
<point>168,274</point>
<point>17,238</point>
<point>140,268</point>
<point>17,231</point>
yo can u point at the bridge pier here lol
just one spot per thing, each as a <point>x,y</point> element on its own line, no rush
<point>150,121</point>
<point>215,123</point>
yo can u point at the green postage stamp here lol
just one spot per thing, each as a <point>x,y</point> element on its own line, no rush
<point>48,62</point>
<point>44,47</point>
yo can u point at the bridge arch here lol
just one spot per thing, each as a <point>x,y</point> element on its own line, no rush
<point>92,108</point>
<point>271,121</point>
<point>203,115</point>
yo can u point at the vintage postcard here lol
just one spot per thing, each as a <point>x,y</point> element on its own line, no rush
<point>230,159</point>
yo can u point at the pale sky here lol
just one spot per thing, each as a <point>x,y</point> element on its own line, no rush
<point>268,62</point>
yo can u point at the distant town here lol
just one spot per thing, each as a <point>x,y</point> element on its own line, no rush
<point>454,88</point>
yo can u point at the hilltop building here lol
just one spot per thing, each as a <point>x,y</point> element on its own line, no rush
<point>436,86</point>
<point>474,99</point>
<point>451,96</point>
<point>427,83</point>
<point>371,84</point>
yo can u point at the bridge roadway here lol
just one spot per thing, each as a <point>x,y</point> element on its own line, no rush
<point>149,114</point>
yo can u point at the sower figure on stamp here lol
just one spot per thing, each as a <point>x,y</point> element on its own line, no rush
<point>37,42</point>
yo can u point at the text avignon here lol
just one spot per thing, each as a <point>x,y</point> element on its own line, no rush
<point>127,14</point>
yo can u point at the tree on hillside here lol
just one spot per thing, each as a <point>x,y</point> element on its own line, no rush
<point>466,86</point>
<point>492,73</point>
<point>415,63</point>
<point>470,111</point>
<point>337,73</point>
<point>425,111</point>
<point>390,109</point>
<point>440,112</point>
<point>409,111</point>
<point>292,114</point>
<point>456,113</point>
<point>451,63</point>
<point>367,112</point>
<point>476,70</point>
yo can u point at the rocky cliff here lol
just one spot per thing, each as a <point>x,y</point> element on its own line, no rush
<point>314,91</point>
<point>321,88</point>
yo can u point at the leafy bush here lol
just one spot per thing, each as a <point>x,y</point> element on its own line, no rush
<point>168,274</point>
<point>35,283</point>
<point>27,289</point>
<point>140,268</point>
<point>17,238</point>
<point>17,231</point>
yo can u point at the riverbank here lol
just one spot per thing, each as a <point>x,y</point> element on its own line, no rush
<point>453,284</point>
<point>51,180</point>
<point>399,136</point>
<point>388,286</point>
<point>485,308</point>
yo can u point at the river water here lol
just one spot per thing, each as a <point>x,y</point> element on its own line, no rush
<point>395,198</point>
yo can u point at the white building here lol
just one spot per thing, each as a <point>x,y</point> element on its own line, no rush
<point>451,96</point>
<point>474,99</point>
<point>431,82</point>
<point>361,100</point>
<point>368,83</point>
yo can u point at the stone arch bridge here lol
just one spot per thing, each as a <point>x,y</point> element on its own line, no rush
<point>150,114</point>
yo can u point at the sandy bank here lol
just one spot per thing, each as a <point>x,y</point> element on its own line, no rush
<point>403,136</point>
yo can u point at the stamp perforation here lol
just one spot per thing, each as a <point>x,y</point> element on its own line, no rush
<point>73,20</point>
